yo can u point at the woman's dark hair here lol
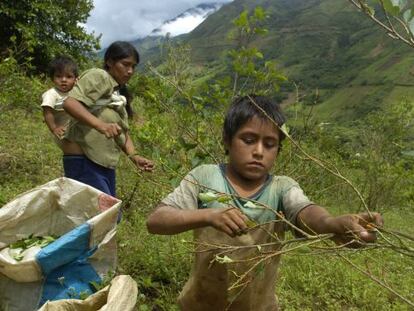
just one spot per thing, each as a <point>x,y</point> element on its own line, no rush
<point>119,50</point>
<point>116,51</point>
<point>123,90</point>
<point>62,64</point>
<point>243,109</point>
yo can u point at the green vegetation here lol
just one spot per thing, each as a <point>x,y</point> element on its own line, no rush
<point>35,31</point>
<point>324,45</point>
<point>178,124</point>
<point>17,248</point>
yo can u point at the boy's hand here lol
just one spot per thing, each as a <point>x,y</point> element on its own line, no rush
<point>358,227</point>
<point>142,163</point>
<point>228,220</point>
<point>59,131</point>
<point>110,130</point>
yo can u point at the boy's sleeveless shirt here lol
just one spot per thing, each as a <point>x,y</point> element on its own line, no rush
<point>207,287</point>
<point>97,90</point>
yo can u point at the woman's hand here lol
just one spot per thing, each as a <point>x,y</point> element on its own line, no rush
<point>142,163</point>
<point>110,130</point>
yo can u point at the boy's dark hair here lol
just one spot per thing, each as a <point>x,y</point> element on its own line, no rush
<point>62,64</point>
<point>116,51</point>
<point>245,108</point>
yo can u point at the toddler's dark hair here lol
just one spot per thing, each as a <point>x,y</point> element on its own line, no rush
<point>245,108</point>
<point>63,64</point>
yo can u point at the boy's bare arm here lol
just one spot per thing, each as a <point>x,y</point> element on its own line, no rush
<point>79,112</point>
<point>316,219</point>
<point>166,219</point>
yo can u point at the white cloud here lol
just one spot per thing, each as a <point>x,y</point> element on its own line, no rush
<point>182,25</point>
<point>132,19</point>
<point>187,21</point>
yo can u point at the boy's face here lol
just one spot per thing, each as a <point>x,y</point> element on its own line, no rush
<point>64,81</point>
<point>253,149</point>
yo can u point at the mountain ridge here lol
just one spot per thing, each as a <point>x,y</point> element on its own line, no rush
<point>319,44</point>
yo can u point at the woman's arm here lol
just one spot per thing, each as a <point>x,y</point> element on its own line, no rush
<point>140,162</point>
<point>78,111</point>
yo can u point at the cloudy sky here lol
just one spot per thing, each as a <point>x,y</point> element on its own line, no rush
<point>132,19</point>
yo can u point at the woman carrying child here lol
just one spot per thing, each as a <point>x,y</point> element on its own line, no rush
<point>100,106</point>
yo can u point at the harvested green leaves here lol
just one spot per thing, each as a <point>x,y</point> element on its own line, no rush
<point>206,197</point>
<point>209,196</point>
<point>17,248</point>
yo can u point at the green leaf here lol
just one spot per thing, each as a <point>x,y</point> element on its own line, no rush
<point>411,25</point>
<point>370,10</point>
<point>250,204</point>
<point>407,16</point>
<point>259,13</point>
<point>250,223</point>
<point>206,197</point>
<point>391,7</point>
<point>16,253</point>
<point>242,20</point>
<point>259,55</point>
<point>285,129</point>
<point>224,259</point>
<point>224,199</point>
<point>401,4</point>
<point>18,257</point>
<point>17,244</point>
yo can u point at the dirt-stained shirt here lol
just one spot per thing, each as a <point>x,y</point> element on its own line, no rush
<point>221,280</point>
<point>98,91</point>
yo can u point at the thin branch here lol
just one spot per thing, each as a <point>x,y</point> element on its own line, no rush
<point>363,7</point>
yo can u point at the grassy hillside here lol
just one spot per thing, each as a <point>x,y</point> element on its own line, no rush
<point>161,264</point>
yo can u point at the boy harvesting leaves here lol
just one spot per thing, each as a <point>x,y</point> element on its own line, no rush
<point>63,72</point>
<point>252,142</point>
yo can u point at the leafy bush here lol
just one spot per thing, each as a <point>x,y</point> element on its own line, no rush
<point>36,31</point>
<point>17,89</point>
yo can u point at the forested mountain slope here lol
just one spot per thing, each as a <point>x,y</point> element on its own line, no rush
<point>320,44</point>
